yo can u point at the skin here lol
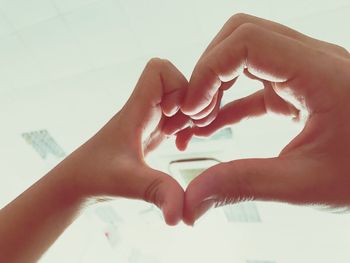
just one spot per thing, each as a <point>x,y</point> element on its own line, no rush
<point>110,164</point>
<point>313,168</point>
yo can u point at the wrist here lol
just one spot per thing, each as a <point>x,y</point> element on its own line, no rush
<point>64,178</point>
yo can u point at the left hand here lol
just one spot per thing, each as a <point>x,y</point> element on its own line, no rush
<point>112,162</point>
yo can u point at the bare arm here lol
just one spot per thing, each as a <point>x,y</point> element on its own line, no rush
<point>34,220</point>
<point>110,164</point>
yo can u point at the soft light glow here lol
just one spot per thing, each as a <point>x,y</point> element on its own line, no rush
<point>69,66</point>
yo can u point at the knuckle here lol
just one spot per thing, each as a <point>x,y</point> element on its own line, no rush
<point>207,120</point>
<point>154,62</point>
<point>158,63</point>
<point>239,18</point>
<point>151,194</point>
<point>247,30</point>
<point>341,50</point>
<point>166,62</point>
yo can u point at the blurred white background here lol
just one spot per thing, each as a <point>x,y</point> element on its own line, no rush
<point>66,66</point>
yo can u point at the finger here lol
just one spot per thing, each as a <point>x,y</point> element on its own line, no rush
<point>274,103</point>
<point>171,100</point>
<point>212,115</point>
<point>228,115</point>
<point>176,123</point>
<point>262,52</point>
<point>205,112</point>
<point>159,89</point>
<point>207,115</point>
<point>239,19</point>
<point>274,179</point>
<point>167,194</point>
<point>181,121</point>
<point>233,112</point>
<point>254,105</point>
<point>183,138</point>
<point>151,186</point>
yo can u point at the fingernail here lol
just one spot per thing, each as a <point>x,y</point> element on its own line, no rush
<point>203,207</point>
<point>172,111</point>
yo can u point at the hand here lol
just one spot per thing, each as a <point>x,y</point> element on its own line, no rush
<point>298,73</point>
<point>112,162</point>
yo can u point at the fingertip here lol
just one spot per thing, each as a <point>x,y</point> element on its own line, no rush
<point>173,213</point>
<point>188,109</point>
<point>172,207</point>
<point>169,112</point>
<point>192,107</point>
<point>180,146</point>
<point>171,102</point>
<point>192,213</point>
<point>188,218</point>
<point>188,221</point>
<point>205,122</point>
<point>200,196</point>
<point>163,191</point>
<point>203,87</point>
<point>171,219</point>
<point>183,138</point>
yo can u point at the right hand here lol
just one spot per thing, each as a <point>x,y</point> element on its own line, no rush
<point>314,167</point>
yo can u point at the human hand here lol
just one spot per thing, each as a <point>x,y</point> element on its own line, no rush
<point>112,162</point>
<point>298,73</point>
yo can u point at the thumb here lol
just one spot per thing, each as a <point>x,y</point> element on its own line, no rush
<point>162,190</point>
<point>249,179</point>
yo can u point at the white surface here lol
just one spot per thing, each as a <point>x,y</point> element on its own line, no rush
<point>27,13</point>
<point>68,66</point>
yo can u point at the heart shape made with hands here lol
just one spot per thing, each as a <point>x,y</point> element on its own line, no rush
<point>155,108</point>
<point>313,73</point>
<point>207,191</point>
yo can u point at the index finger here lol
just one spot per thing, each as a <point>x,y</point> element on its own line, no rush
<point>157,94</point>
<point>239,19</point>
<point>265,54</point>
<point>161,83</point>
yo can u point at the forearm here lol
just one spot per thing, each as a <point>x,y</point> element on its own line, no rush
<point>111,163</point>
<point>35,219</point>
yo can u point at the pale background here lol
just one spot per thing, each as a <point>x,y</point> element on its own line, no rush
<point>67,66</point>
